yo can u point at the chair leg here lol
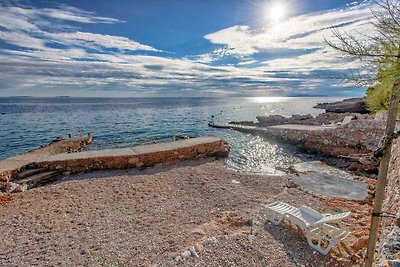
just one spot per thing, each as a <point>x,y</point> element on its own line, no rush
<point>318,247</point>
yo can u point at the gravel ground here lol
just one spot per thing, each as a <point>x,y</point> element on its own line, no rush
<point>149,217</point>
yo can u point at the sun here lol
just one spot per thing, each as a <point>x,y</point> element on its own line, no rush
<point>276,12</point>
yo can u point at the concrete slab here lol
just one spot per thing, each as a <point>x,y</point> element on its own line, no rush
<point>320,167</point>
<point>332,186</point>
<point>299,127</point>
<point>131,151</point>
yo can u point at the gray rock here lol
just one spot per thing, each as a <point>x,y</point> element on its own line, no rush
<point>211,240</point>
<point>172,255</point>
<point>187,254</point>
<point>20,188</point>
<point>10,187</point>
<point>291,184</point>
<point>193,252</point>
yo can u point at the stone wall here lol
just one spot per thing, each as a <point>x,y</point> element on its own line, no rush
<point>389,243</point>
<point>155,154</point>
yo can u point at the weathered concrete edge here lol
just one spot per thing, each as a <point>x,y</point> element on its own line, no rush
<point>11,166</point>
<point>216,148</point>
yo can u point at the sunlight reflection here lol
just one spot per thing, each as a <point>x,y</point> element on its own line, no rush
<point>268,99</point>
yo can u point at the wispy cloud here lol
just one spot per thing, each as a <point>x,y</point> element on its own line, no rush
<point>29,28</point>
<point>63,13</point>
<point>96,41</point>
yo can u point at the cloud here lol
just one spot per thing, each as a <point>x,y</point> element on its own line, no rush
<point>95,41</point>
<point>46,55</point>
<point>22,40</point>
<point>29,28</point>
<point>64,12</point>
<point>299,32</point>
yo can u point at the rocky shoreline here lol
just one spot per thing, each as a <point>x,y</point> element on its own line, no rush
<point>348,145</point>
<point>354,105</point>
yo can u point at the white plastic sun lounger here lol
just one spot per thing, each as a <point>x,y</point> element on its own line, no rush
<point>323,231</point>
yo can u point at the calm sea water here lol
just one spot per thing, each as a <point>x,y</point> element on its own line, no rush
<point>27,123</point>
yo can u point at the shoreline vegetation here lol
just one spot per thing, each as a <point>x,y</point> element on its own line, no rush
<point>192,210</point>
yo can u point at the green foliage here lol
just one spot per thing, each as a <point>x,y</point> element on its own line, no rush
<point>378,95</point>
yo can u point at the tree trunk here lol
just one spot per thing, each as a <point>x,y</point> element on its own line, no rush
<point>382,177</point>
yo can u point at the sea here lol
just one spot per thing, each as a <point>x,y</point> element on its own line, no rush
<point>27,123</point>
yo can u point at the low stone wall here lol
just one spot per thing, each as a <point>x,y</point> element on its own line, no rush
<point>389,243</point>
<point>137,157</point>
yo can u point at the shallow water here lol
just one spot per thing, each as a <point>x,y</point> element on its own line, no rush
<point>27,123</point>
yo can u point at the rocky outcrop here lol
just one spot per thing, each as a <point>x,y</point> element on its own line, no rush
<point>323,118</point>
<point>353,105</point>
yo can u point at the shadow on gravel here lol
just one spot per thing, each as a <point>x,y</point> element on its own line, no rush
<point>296,246</point>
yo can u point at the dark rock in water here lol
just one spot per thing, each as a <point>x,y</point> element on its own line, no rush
<point>58,139</point>
<point>353,105</point>
<point>181,137</point>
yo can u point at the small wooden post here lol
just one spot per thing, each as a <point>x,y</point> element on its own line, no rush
<point>382,177</point>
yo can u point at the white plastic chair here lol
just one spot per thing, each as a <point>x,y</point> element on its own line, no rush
<point>325,229</point>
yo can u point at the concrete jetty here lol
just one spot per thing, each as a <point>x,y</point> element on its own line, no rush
<point>41,166</point>
<point>136,157</point>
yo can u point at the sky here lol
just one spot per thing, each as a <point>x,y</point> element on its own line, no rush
<point>162,48</point>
